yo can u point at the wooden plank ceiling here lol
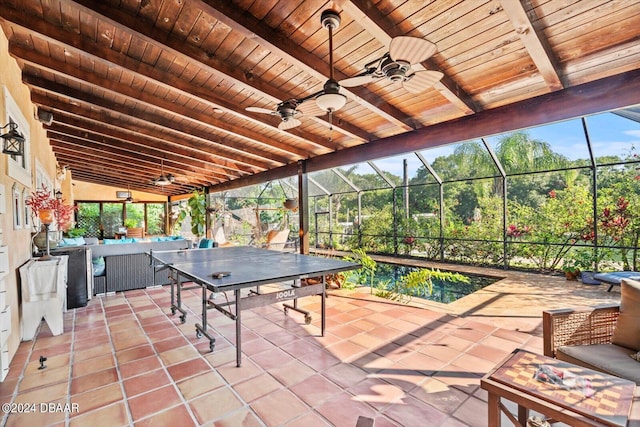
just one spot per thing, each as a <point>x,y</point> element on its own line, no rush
<point>138,88</point>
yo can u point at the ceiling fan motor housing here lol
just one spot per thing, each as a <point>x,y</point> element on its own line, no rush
<point>287,110</point>
<point>395,70</point>
<point>330,19</point>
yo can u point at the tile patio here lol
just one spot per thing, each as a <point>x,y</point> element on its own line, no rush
<point>124,360</point>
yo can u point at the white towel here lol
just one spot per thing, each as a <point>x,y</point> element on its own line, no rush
<point>40,279</point>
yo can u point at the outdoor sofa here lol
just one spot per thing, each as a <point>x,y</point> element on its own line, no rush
<point>602,338</point>
<point>122,265</point>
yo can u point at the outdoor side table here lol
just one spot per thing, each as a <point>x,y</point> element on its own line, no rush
<point>514,379</point>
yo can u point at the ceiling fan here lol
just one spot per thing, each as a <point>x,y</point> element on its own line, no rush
<point>328,100</point>
<point>397,65</point>
<point>126,195</point>
<point>288,112</point>
<point>163,180</point>
<point>129,198</point>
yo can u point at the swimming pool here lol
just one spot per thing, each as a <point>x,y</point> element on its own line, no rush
<point>443,291</point>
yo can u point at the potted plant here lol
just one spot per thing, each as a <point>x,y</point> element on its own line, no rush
<point>571,269</point>
<point>76,232</point>
<point>45,206</point>
<point>587,262</point>
<point>130,223</point>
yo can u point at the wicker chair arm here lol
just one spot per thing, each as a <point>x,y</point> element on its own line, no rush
<point>578,326</point>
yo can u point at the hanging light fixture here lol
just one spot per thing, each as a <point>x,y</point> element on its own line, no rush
<point>12,141</point>
<point>331,99</point>
<point>163,179</point>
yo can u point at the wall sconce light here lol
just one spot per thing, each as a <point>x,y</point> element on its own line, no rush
<point>12,141</point>
<point>58,194</point>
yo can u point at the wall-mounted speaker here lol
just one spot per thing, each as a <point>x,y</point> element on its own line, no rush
<point>45,117</point>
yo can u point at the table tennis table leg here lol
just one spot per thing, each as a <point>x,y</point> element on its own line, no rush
<point>323,306</point>
<point>238,330</point>
<point>202,329</point>
<point>294,307</point>
<point>176,304</point>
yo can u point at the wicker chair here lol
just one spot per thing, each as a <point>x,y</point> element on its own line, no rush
<point>578,326</point>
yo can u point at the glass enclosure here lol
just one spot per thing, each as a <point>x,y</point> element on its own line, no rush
<point>535,199</point>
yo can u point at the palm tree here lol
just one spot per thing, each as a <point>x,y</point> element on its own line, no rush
<point>517,153</point>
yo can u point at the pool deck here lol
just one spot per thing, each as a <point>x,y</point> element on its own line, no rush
<point>515,301</point>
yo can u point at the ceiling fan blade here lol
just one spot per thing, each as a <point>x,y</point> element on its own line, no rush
<point>311,109</point>
<point>260,110</point>
<point>411,49</point>
<point>290,123</point>
<point>361,79</point>
<point>421,81</point>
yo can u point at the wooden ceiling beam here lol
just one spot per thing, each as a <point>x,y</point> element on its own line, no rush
<point>170,190</point>
<point>77,165</point>
<point>138,141</point>
<point>65,153</point>
<point>380,27</point>
<point>153,102</point>
<point>131,167</point>
<point>159,139</point>
<point>131,24</point>
<point>85,173</point>
<point>538,49</point>
<point>123,170</point>
<point>111,147</point>
<point>94,101</point>
<point>253,29</point>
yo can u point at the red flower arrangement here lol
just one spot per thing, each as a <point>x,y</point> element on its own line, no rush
<point>42,199</point>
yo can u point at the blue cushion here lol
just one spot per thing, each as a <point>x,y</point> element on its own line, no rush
<point>71,241</point>
<point>98,266</point>
<point>110,241</point>
<point>206,243</point>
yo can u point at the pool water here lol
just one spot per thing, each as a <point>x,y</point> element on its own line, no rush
<point>443,291</point>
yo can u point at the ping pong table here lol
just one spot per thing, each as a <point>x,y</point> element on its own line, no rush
<point>238,268</point>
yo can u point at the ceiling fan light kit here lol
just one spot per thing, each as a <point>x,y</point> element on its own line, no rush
<point>164,180</point>
<point>331,100</point>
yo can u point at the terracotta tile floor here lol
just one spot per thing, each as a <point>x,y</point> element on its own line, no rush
<point>125,360</point>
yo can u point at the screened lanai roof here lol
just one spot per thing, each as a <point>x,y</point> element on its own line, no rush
<point>613,139</point>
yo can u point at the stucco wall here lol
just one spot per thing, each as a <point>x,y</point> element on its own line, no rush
<point>18,240</point>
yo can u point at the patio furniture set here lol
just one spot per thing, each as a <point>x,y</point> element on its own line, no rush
<point>588,374</point>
